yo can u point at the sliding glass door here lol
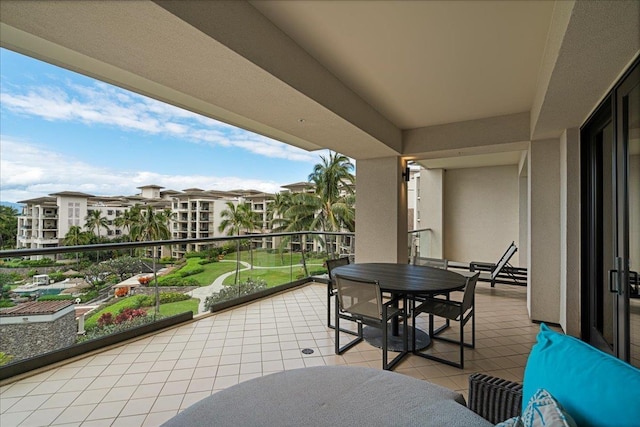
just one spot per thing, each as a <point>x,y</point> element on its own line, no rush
<point>610,143</point>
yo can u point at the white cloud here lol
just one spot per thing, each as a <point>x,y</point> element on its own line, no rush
<point>28,171</point>
<point>102,104</point>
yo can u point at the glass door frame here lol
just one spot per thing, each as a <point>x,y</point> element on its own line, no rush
<point>611,111</point>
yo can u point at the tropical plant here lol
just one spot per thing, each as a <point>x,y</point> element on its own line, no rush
<point>330,208</point>
<point>152,225</point>
<point>95,221</point>
<point>75,237</point>
<point>235,218</point>
<point>334,186</point>
<point>248,287</point>
<point>5,358</point>
<point>128,219</point>
<point>8,226</point>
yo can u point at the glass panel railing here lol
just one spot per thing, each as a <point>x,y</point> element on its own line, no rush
<point>98,292</point>
<point>419,243</point>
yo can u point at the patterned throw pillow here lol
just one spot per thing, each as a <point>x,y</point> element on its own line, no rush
<point>541,411</point>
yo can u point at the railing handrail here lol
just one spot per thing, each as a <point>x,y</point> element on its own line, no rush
<point>128,245</point>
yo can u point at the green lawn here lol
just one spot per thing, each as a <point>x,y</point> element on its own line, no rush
<point>173,308</point>
<point>273,277</point>
<point>212,271</point>
<point>262,258</point>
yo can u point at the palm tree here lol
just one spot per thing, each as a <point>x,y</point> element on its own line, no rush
<point>234,219</point>
<point>75,237</point>
<point>94,220</point>
<point>297,214</point>
<point>334,185</point>
<point>152,225</point>
<point>252,221</point>
<point>128,218</point>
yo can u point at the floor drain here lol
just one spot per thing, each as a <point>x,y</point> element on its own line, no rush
<point>307,351</point>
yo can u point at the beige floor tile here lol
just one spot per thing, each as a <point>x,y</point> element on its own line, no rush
<point>138,406</point>
<point>42,417</point>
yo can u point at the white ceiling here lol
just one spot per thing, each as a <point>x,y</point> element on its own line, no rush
<point>369,78</point>
<point>423,63</point>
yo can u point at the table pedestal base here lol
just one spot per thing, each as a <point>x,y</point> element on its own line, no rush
<point>374,337</point>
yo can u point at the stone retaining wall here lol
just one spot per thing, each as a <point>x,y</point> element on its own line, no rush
<point>30,339</point>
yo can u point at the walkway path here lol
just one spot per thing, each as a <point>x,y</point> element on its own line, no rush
<point>205,291</point>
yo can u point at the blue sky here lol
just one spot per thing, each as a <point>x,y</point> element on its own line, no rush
<point>63,131</point>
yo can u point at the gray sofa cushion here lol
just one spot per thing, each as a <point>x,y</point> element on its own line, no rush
<point>331,396</point>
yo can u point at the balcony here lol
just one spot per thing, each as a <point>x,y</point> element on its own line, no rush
<point>147,381</point>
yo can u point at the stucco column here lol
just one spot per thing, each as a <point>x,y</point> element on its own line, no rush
<point>432,211</point>
<point>381,211</point>
<point>543,292</point>
<point>570,231</point>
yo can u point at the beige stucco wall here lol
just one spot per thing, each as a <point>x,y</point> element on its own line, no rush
<point>543,292</point>
<point>431,207</point>
<point>381,211</point>
<point>480,213</point>
<point>570,232</point>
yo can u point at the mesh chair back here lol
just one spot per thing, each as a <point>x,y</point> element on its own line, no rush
<point>359,297</point>
<point>333,263</point>
<point>431,262</point>
<point>469,291</point>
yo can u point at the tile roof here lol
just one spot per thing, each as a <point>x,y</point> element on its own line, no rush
<point>35,307</point>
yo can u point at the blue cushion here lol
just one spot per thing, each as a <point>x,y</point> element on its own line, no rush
<point>595,388</point>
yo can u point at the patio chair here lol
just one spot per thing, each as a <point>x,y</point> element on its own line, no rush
<point>489,272</point>
<point>431,262</point>
<point>361,300</point>
<point>331,288</point>
<point>457,311</point>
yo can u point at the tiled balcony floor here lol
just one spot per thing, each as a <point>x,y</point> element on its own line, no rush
<point>145,382</point>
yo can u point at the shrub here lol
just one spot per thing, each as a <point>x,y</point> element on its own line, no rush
<point>120,292</point>
<point>89,296</point>
<point>57,276</point>
<point>128,314</point>
<point>166,260</point>
<point>5,303</point>
<point>193,254</point>
<point>235,291</point>
<point>207,261</point>
<point>177,281</point>
<point>44,262</point>
<point>115,328</point>
<point>187,271</point>
<point>144,280</point>
<point>5,358</point>
<point>105,319</point>
<point>165,298</point>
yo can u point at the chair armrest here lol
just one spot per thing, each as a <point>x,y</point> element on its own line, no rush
<point>494,399</point>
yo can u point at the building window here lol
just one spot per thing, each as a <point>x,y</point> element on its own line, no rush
<point>110,212</point>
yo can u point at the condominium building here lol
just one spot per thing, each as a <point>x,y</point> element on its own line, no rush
<point>45,221</point>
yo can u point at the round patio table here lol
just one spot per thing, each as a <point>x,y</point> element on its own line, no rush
<point>407,280</point>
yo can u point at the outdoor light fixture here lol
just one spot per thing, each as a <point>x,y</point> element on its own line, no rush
<point>405,174</point>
